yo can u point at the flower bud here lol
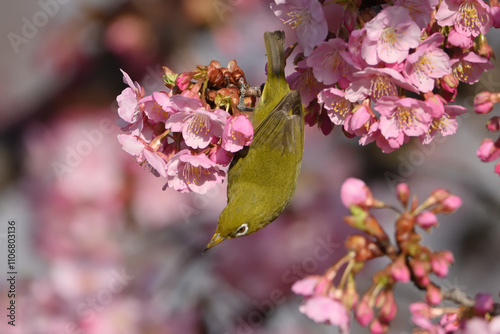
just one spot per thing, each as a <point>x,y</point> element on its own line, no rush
<point>426,219</point>
<point>399,270</point>
<point>451,203</point>
<point>377,327</point>
<point>433,295</point>
<point>488,150</point>
<point>450,322</point>
<point>420,268</point>
<point>355,192</point>
<point>440,262</point>
<point>495,13</point>
<point>483,303</point>
<point>493,124</point>
<point>483,48</point>
<point>403,193</point>
<point>364,313</point>
<point>389,309</point>
<point>183,80</point>
<point>482,103</point>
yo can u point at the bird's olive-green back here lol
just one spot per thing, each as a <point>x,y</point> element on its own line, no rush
<point>263,177</point>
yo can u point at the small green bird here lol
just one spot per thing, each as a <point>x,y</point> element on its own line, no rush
<point>263,177</point>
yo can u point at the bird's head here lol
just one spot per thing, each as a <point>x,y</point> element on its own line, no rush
<point>231,226</point>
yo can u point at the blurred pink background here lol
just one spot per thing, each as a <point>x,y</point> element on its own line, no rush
<point>102,249</point>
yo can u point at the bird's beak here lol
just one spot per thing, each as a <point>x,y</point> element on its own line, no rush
<point>216,239</point>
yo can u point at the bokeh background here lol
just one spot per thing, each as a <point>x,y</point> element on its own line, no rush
<point>101,249</point>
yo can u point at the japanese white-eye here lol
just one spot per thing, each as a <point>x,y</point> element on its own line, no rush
<point>262,178</point>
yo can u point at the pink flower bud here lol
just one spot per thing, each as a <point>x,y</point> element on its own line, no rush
<point>403,193</point>
<point>388,311</point>
<point>493,124</point>
<point>399,270</point>
<point>451,203</point>
<point>495,13</point>
<point>433,295</point>
<point>450,322</point>
<point>355,192</point>
<point>482,103</point>
<point>419,267</point>
<point>440,262</point>
<point>488,150</point>
<point>483,303</point>
<point>440,194</point>
<point>377,327</point>
<point>426,219</point>
<point>449,83</point>
<point>183,80</point>
<point>364,313</point>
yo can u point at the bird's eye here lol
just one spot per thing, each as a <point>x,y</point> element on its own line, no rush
<point>242,230</point>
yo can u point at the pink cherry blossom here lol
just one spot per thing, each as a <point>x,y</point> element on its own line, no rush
<point>387,145</point>
<point>306,17</point>
<point>197,173</point>
<point>128,101</point>
<point>462,41</point>
<point>478,325</point>
<point>199,127</point>
<point>220,156</point>
<point>139,148</point>
<point>445,125</point>
<point>326,310</point>
<point>306,286</point>
<point>354,48</point>
<point>155,105</point>
<point>427,63</point>
<point>304,81</point>
<point>238,132</point>
<point>376,83</point>
<point>358,122</point>
<point>421,316</point>
<point>488,150</point>
<point>389,36</point>
<point>420,10</point>
<point>336,105</point>
<point>468,17</point>
<point>407,115</point>
<point>469,67</point>
<point>328,63</point>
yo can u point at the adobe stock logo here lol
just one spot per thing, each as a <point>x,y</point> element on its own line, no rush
<point>30,26</point>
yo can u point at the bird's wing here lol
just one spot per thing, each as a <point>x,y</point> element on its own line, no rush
<point>285,117</point>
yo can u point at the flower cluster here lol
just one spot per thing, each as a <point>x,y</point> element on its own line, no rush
<point>409,260</point>
<point>189,134</point>
<point>389,73</point>
<point>476,318</point>
<point>489,150</point>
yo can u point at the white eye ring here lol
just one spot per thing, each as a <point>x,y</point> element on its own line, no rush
<point>242,230</point>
